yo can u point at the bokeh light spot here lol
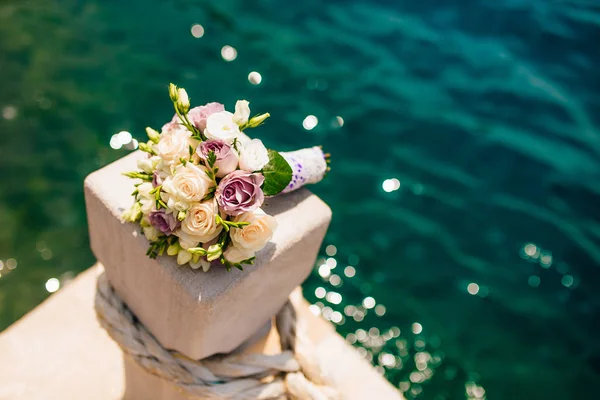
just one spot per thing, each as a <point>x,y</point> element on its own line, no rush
<point>417,328</point>
<point>320,292</point>
<point>368,303</point>
<point>310,122</point>
<point>229,54</point>
<point>567,281</point>
<point>197,31</point>
<point>9,112</point>
<point>331,250</point>
<point>349,271</point>
<point>473,288</point>
<point>390,185</point>
<point>254,78</point>
<point>52,285</point>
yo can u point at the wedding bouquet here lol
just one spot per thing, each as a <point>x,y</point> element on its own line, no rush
<point>203,183</point>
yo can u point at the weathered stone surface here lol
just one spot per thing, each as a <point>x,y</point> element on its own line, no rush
<point>196,313</point>
<point>59,352</point>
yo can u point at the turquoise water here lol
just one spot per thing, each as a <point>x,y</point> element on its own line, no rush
<point>466,169</point>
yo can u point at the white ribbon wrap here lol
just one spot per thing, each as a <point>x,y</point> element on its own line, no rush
<point>308,166</point>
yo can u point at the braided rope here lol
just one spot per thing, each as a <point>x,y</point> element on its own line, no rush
<point>294,374</point>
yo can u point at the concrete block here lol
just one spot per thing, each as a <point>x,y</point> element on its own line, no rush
<point>200,314</point>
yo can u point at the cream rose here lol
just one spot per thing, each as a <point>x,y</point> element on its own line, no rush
<point>253,237</point>
<point>221,126</point>
<point>189,183</point>
<point>236,255</point>
<point>173,146</point>
<point>200,225</point>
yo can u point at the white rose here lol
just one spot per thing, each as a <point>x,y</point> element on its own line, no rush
<point>174,145</point>
<point>189,183</point>
<point>253,155</point>
<point>242,112</point>
<point>199,224</point>
<point>220,125</point>
<point>255,236</point>
<point>235,254</point>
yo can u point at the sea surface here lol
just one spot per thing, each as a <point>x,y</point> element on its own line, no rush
<point>463,259</point>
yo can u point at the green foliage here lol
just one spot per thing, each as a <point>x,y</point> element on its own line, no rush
<point>158,247</point>
<point>239,265</point>
<point>230,224</point>
<point>277,173</point>
<point>139,175</point>
<point>146,148</point>
<point>211,159</point>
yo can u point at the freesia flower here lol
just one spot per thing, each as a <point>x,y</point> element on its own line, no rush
<point>156,179</point>
<point>221,126</point>
<point>201,263</point>
<point>239,192</point>
<point>227,158</point>
<point>151,233</point>
<point>253,155</point>
<point>184,257</point>
<point>148,164</point>
<point>147,201</point>
<point>183,100</point>
<point>242,112</point>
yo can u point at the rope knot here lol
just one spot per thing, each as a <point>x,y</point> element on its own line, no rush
<point>293,374</point>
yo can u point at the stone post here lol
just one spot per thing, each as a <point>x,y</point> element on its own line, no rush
<point>199,314</point>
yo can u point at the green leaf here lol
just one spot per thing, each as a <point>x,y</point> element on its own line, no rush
<point>277,173</point>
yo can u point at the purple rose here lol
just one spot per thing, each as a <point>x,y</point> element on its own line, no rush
<point>197,116</point>
<point>239,192</point>
<point>166,223</point>
<point>227,157</point>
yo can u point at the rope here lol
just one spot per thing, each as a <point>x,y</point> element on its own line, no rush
<point>294,374</point>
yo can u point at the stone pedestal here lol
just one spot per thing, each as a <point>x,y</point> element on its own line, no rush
<point>196,313</point>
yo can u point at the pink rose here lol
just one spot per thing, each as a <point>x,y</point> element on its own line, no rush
<point>227,158</point>
<point>197,116</point>
<point>240,192</point>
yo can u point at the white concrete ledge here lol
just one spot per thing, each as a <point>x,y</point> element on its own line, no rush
<point>200,314</point>
<point>59,352</point>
